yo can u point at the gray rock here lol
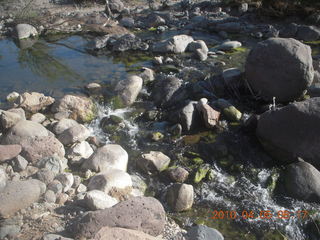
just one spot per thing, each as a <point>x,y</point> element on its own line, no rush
<point>96,200</point>
<point>280,68</point>
<point>24,130</point>
<point>139,213</point>
<point>81,188</point>
<point>229,27</point>
<point>243,7</point>
<point>94,88</point>
<point>38,117</point>
<point>99,42</point>
<point>127,22</point>
<point>45,175</point>
<point>202,232</point>
<point>116,6</point>
<point>176,44</point>
<point>229,45</point>
<point>112,178</point>
<point>66,179</point>
<point>128,42</point>
<point>9,119</point>
<point>3,178</point>
<point>50,196</point>
<point>54,237</point>
<point>53,164</point>
<point>154,161</point>
<point>77,133</point>
<point>79,151</point>
<point>308,33</point>
<point>9,231</point>
<point>292,132</point>
<point>147,75</point>
<point>200,49</point>
<point>34,102</point>
<point>301,181</point>
<point>154,20</point>
<point>55,186</point>
<point>188,116</point>
<point>110,156</point>
<point>122,233</point>
<point>231,76</point>
<point>19,163</point>
<point>34,149</point>
<point>8,152</point>
<point>180,197</point>
<point>178,174</point>
<point>129,89</point>
<point>289,31</point>
<point>25,31</point>
<point>63,125</point>
<point>18,195</point>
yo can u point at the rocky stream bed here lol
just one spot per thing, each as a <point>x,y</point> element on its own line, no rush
<point>177,121</point>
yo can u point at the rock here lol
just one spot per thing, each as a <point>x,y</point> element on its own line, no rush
<point>138,213</point>
<point>116,6</point>
<point>180,197</point>
<point>229,45</point>
<point>110,156</point>
<point>38,117</point>
<point>292,131</point>
<point>54,237</point>
<point>200,49</point>
<point>231,76</point>
<point>154,20</point>
<point>93,88</point>
<point>229,27</point>
<point>158,60</point>
<point>308,33</point>
<point>23,130</point>
<point>25,31</point>
<point>34,102</point>
<point>9,231</point>
<point>80,151</point>
<point>18,195</point>
<point>81,188</point>
<point>112,178</point>
<point>209,115</point>
<point>115,233</point>
<point>147,75</point>
<point>80,108</point>
<point>289,31</point>
<point>129,42</point>
<point>176,44</point>
<point>12,96</point>
<point>243,7</point>
<point>63,125</point>
<point>62,198</point>
<point>280,68</point>
<point>202,232</point>
<point>129,89</point>
<point>55,186</point>
<point>53,164</point>
<point>19,163</point>
<point>8,152</point>
<point>178,174</point>
<point>96,200</point>
<point>188,116</point>
<point>77,133</point>
<point>301,181</point>
<point>230,112</point>
<point>127,22</point>
<point>3,178</point>
<point>66,179</point>
<point>45,175</point>
<point>9,119</point>
<point>171,91</point>
<point>154,161</point>
<point>37,148</point>
<point>50,196</point>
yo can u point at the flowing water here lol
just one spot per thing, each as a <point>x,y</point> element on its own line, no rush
<point>56,67</point>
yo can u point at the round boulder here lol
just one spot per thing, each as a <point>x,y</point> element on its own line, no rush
<point>280,68</point>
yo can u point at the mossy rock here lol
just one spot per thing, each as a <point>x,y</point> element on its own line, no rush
<point>169,69</point>
<point>197,160</point>
<point>232,114</point>
<point>115,119</point>
<point>200,174</point>
<point>157,136</point>
<point>117,103</point>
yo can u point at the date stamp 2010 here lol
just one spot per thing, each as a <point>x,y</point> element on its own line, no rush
<point>262,214</point>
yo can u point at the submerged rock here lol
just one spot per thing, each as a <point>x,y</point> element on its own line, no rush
<point>202,232</point>
<point>280,68</point>
<point>24,30</point>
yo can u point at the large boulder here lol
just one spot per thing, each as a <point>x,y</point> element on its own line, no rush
<point>23,130</point>
<point>34,149</point>
<point>280,68</point>
<point>129,89</point>
<point>8,152</point>
<point>34,102</point>
<point>18,195</point>
<point>176,44</point>
<point>116,233</point>
<point>110,156</point>
<point>144,214</point>
<point>292,131</point>
<point>301,181</point>
<point>80,108</point>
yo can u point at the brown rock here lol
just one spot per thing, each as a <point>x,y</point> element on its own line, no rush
<point>34,102</point>
<point>8,152</point>
<point>116,233</point>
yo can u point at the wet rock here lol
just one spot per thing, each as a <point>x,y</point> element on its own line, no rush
<point>201,173</point>
<point>229,111</point>
<point>53,164</point>
<point>8,152</point>
<point>80,108</point>
<point>50,196</point>
<point>176,44</point>
<point>38,118</point>
<point>292,131</point>
<point>19,163</point>
<point>25,31</point>
<point>158,60</point>
<point>147,75</point>
<point>280,68</point>
<point>154,20</point>
<point>188,117</point>
<point>175,130</point>
<point>200,49</point>
<point>129,89</point>
<point>80,151</point>
<point>154,161</point>
<point>139,213</point>
<point>229,45</point>
<point>41,147</point>
<point>77,133</point>
<point>93,88</point>
<point>115,233</point>
<point>127,22</point>
<point>178,174</point>
<point>18,195</point>
<point>308,33</point>
<point>112,178</point>
<point>63,125</point>
<point>34,102</point>
<point>202,232</point>
<point>209,115</point>
<point>23,130</point>
<point>12,96</point>
<point>96,200</point>
<point>9,119</point>
<point>229,27</point>
<point>156,136</point>
<point>66,179</point>
<point>180,197</point>
<point>110,156</point>
<point>128,42</point>
<point>301,181</point>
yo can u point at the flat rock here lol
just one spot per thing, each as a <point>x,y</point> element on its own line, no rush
<point>154,161</point>
<point>34,102</point>
<point>116,233</point>
<point>96,200</point>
